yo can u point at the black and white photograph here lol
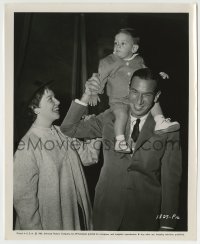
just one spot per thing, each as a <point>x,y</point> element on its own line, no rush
<point>101,122</point>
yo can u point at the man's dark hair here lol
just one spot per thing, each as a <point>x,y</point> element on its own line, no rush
<point>148,74</point>
<point>131,32</point>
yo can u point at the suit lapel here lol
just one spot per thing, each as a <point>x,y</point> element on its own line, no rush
<point>128,127</point>
<point>146,132</point>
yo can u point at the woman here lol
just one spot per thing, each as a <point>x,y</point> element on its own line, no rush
<point>50,190</point>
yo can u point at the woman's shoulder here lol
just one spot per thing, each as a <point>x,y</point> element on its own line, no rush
<point>31,135</point>
<point>27,147</point>
<point>29,140</point>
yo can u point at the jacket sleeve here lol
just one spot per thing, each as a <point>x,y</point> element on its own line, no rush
<point>171,171</point>
<point>73,126</point>
<point>25,187</point>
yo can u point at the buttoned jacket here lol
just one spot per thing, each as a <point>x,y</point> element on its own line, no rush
<point>117,73</point>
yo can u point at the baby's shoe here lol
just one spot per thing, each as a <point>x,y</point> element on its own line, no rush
<point>121,145</point>
<point>164,125</point>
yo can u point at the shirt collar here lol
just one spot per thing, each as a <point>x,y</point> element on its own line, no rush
<point>143,118</point>
<point>132,57</point>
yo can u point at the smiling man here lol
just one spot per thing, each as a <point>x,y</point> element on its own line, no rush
<point>142,94</point>
<point>138,191</point>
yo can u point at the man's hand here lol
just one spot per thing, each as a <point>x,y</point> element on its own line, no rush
<point>92,86</point>
<point>164,75</point>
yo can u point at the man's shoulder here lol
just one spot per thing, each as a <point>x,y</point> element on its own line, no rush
<point>173,134</point>
<point>170,138</point>
<point>107,115</point>
<point>150,124</point>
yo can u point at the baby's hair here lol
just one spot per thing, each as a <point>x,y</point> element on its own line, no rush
<point>131,32</point>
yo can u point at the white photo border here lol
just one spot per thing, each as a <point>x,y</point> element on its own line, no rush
<point>10,9</point>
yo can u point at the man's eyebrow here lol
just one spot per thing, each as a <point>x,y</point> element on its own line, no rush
<point>150,92</point>
<point>133,89</point>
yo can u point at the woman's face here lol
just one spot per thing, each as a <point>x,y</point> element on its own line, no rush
<point>49,107</point>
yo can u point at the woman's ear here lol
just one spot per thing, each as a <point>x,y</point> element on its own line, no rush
<point>157,96</point>
<point>36,110</point>
<point>135,48</point>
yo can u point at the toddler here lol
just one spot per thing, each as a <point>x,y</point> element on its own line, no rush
<point>116,71</point>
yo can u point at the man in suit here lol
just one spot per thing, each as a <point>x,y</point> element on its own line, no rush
<point>137,191</point>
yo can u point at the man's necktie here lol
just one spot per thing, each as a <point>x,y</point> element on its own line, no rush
<point>136,131</point>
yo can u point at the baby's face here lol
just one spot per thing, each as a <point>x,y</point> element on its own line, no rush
<point>123,45</point>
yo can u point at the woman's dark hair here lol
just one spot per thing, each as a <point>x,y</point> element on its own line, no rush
<point>148,74</point>
<point>35,101</point>
<point>131,32</point>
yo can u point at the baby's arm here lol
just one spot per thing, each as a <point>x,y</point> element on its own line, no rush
<point>94,98</point>
<point>104,69</point>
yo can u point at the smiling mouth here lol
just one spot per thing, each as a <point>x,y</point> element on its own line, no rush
<point>56,110</point>
<point>138,108</point>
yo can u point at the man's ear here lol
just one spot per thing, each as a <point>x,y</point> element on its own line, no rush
<point>157,96</point>
<point>135,48</point>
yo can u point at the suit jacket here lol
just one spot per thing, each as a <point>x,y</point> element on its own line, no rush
<point>138,187</point>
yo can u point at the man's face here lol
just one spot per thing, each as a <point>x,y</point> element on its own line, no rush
<point>142,96</point>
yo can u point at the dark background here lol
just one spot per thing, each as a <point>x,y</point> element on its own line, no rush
<point>63,46</point>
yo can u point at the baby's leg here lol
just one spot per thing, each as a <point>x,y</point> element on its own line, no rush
<point>156,110</point>
<point>163,125</point>
<point>121,117</point>
<point>120,112</point>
